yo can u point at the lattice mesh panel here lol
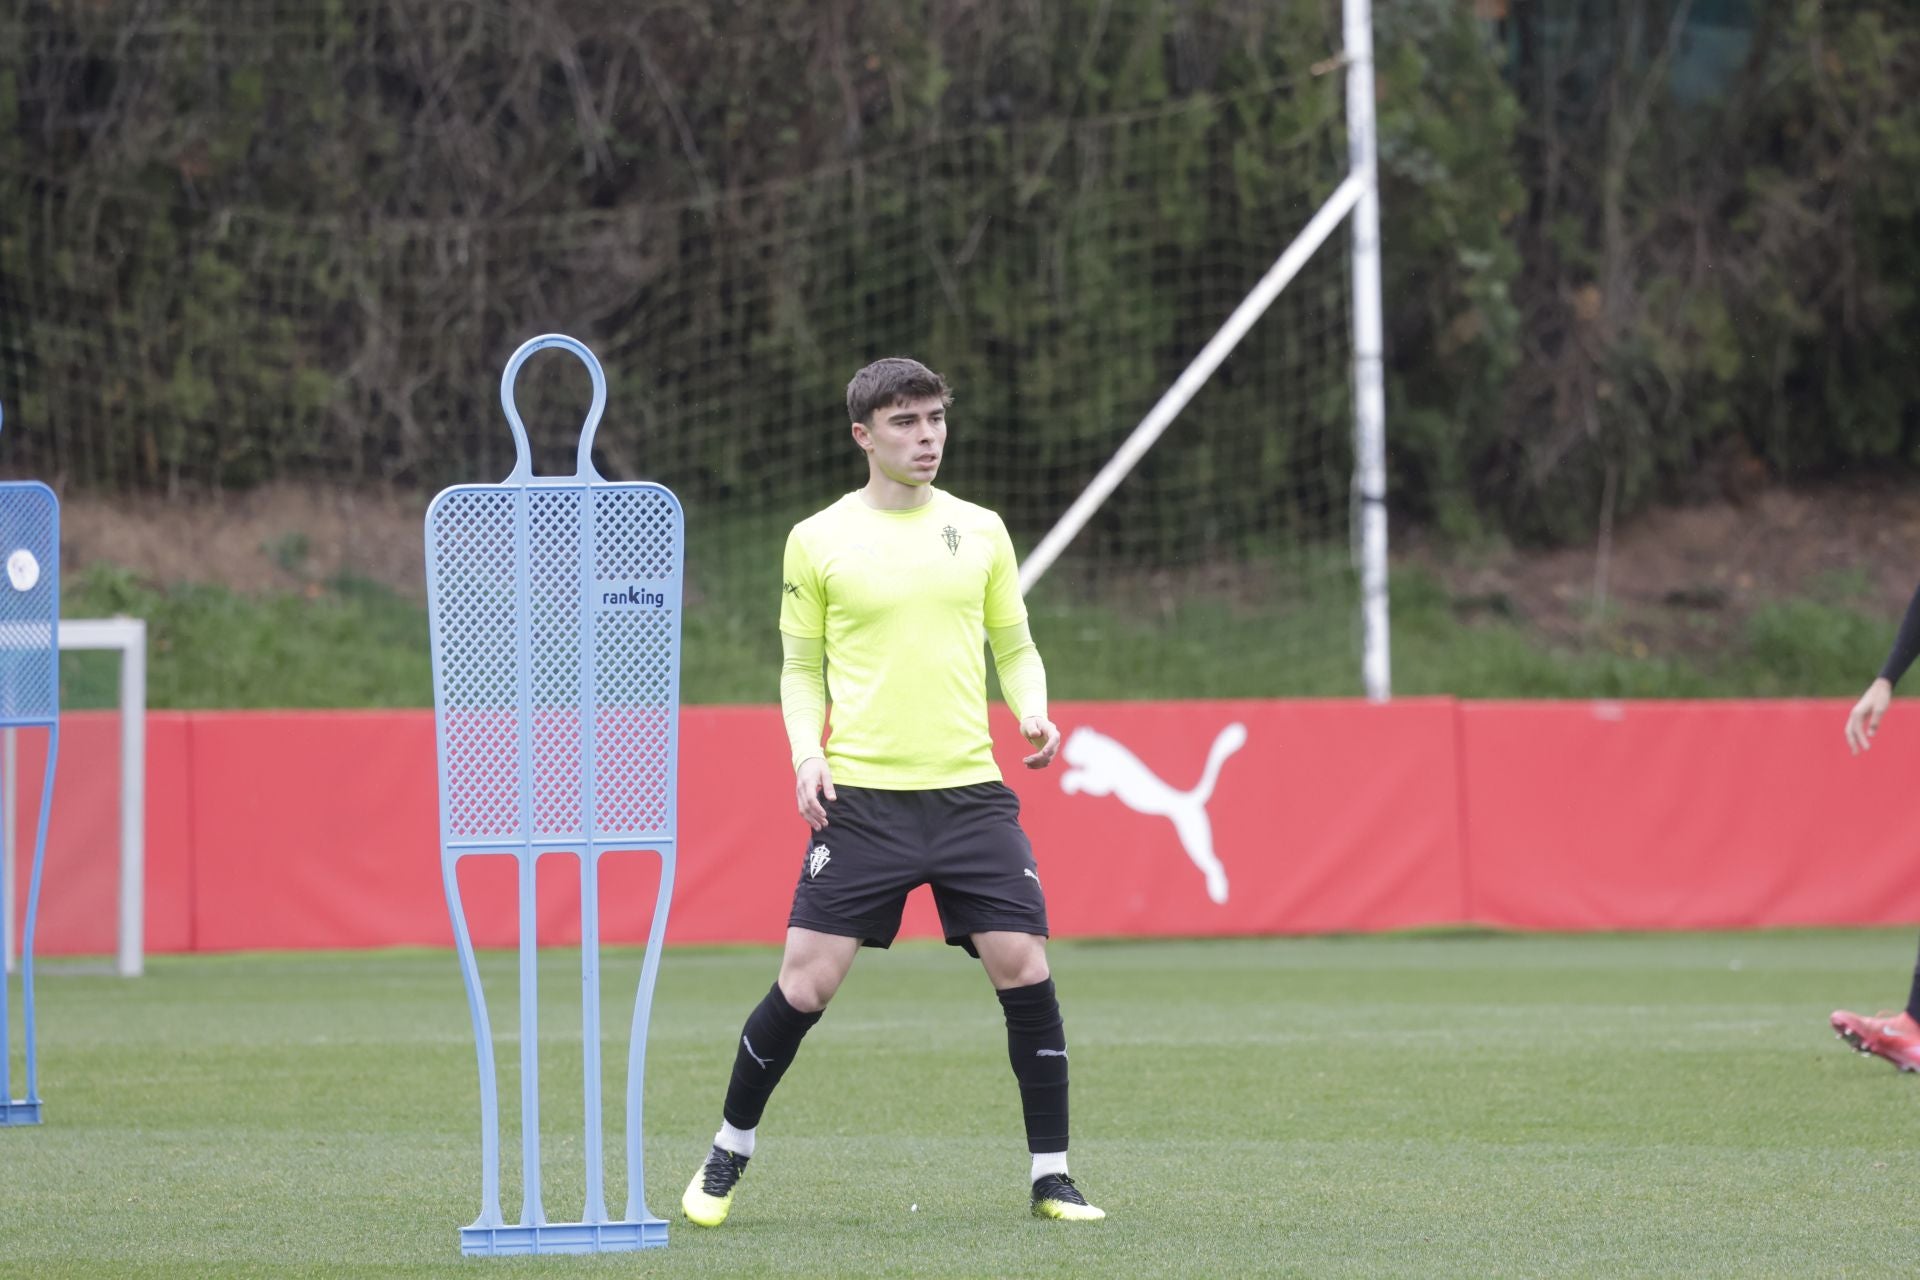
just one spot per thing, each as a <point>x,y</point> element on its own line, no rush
<point>475,606</point>
<point>633,733</point>
<point>29,668</point>
<point>472,600</point>
<point>636,530</point>
<point>634,533</point>
<point>554,580</point>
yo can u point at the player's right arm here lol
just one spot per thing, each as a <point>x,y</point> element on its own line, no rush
<point>803,681</point>
<point>803,704</point>
<point>1864,720</point>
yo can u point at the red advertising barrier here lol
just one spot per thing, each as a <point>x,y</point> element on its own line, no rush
<point>1694,815</point>
<point>1323,816</point>
<point>80,897</point>
<point>298,830</point>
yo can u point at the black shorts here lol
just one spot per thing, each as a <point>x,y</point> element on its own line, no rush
<point>881,845</point>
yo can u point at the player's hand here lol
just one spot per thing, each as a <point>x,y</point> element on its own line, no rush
<point>1864,720</point>
<point>809,782</point>
<point>1041,732</point>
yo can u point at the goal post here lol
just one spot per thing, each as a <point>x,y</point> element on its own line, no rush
<point>127,637</point>
<point>1369,347</point>
<point>1357,198</point>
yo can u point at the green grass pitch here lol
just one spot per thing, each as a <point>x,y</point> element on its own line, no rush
<point>1465,1105</point>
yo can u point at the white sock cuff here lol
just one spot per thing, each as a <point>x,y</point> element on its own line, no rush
<point>1046,1162</point>
<point>738,1141</point>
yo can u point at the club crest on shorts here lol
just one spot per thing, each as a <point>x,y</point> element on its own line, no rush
<point>817,857</point>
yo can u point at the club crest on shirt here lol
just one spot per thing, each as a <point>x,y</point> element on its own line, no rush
<point>817,858</point>
<point>951,536</point>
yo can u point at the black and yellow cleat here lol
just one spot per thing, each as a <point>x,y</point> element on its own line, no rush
<point>710,1194</point>
<point>1055,1196</point>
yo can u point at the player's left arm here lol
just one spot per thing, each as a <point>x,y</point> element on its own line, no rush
<point>1023,676</point>
<point>1023,683</point>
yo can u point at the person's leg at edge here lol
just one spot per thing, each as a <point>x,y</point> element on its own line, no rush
<point>1894,1037</point>
<point>1016,964</point>
<point>812,968</point>
<point>1913,995</point>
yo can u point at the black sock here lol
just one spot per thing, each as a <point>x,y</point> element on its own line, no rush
<point>768,1044</point>
<point>1913,995</point>
<point>1037,1047</point>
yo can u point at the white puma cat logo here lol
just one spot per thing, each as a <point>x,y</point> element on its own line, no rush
<point>764,1062</point>
<point>1099,766</point>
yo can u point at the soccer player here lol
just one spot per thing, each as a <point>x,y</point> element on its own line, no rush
<point>891,587</point>
<point>1895,1037</point>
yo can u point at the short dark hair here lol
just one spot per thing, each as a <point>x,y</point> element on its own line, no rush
<point>894,380</point>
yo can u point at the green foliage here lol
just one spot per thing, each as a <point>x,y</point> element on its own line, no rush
<point>234,249</point>
<point>1804,647</point>
<point>281,256</point>
<point>1714,291</point>
<point>1450,194</point>
<point>1834,312</point>
<point>350,643</point>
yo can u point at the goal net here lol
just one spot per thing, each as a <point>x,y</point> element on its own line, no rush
<point>176,314</point>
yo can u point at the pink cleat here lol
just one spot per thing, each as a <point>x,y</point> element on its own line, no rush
<point>1895,1037</point>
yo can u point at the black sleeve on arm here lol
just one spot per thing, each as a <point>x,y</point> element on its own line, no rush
<point>1906,643</point>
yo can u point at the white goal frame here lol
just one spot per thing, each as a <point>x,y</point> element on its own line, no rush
<point>1357,197</point>
<point>129,637</point>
